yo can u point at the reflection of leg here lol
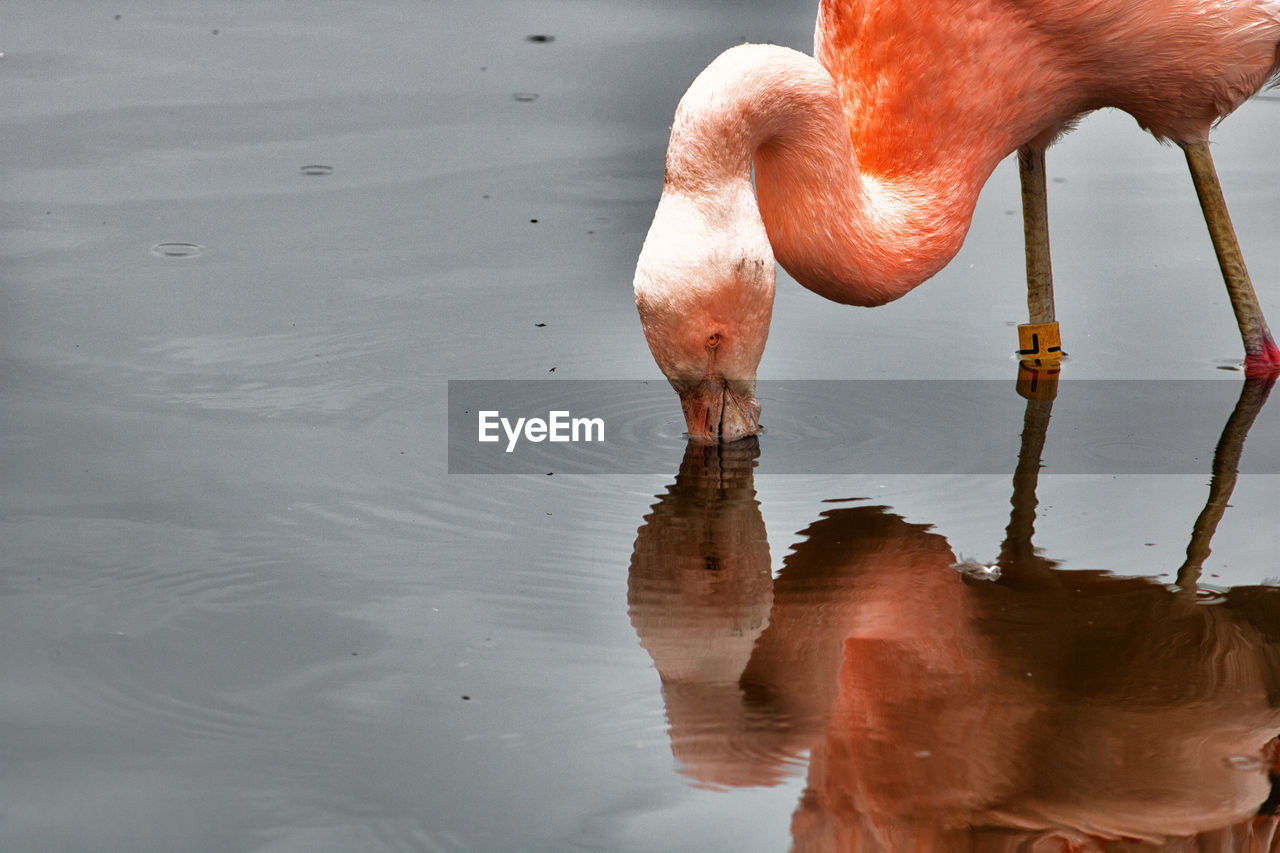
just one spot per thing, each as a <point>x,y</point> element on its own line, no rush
<point>1260,349</point>
<point>1226,464</point>
<point>1038,340</point>
<point>1017,553</point>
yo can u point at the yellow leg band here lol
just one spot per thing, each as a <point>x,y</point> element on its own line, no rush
<point>1039,343</point>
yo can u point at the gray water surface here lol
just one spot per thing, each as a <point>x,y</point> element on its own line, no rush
<point>245,606</point>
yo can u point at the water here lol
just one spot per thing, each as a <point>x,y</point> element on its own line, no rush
<point>246,607</point>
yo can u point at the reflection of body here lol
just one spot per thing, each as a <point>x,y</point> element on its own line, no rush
<point>946,713</point>
<point>1082,703</point>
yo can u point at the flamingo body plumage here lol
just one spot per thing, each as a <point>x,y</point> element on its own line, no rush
<point>858,169</point>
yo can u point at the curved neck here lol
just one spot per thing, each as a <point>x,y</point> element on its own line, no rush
<point>849,236</point>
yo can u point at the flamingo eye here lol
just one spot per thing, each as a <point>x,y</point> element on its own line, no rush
<point>713,340</point>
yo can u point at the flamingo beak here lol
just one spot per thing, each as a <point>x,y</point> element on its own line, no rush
<point>716,411</point>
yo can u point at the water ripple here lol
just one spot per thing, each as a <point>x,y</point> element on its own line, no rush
<point>120,681</point>
<point>266,375</point>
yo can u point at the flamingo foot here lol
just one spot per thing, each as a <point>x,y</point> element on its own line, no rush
<point>1265,360</point>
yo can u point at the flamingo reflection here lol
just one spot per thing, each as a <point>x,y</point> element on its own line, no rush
<point>940,710</point>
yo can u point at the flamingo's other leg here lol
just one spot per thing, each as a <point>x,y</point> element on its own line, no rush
<point>1261,355</point>
<point>1039,343</point>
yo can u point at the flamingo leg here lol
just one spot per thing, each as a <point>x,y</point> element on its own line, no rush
<point>1038,341</point>
<point>1261,355</point>
<point>1035,227</point>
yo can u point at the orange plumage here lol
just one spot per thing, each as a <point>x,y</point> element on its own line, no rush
<point>868,161</point>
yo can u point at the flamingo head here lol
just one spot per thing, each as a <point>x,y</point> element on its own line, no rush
<point>704,289</point>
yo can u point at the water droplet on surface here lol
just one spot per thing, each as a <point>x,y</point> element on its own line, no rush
<point>525,97</point>
<point>176,250</point>
<point>316,169</point>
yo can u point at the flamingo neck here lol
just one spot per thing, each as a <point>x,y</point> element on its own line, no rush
<point>849,236</point>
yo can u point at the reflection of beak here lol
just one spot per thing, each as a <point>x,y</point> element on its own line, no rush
<point>715,411</point>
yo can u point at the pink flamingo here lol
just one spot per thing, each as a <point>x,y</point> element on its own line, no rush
<point>868,159</point>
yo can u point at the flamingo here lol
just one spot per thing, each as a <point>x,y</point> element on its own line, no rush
<point>868,158</point>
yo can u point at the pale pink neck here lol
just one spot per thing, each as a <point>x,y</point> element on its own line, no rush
<point>851,237</point>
